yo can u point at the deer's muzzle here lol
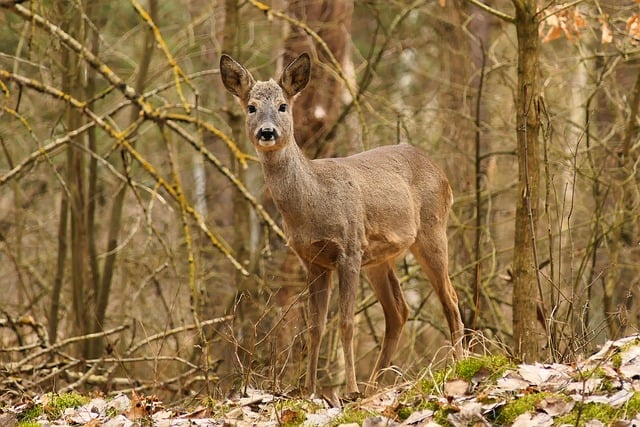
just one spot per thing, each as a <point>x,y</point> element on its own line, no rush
<point>267,136</point>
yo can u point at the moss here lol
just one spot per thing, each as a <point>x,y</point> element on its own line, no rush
<point>516,407</point>
<point>584,412</point>
<point>616,359</point>
<point>607,414</point>
<point>57,403</point>
<point>30,414</point>
<point>218,409</point>
<point>29,424</point>
<point>465,369</point>
<point>607,383</point>
<point>495,365</point>
<point>633,405</point>
<point>350,415</point>
<point>404,412</point>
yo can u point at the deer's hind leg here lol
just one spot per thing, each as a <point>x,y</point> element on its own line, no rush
<point>430,249</point>
<point>387,288</point>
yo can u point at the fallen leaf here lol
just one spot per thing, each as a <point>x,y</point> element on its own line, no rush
<point>529,420</point>
<point>418,417</point>
<point>511,382</point>
<point>555,406</point>
<point>289,416</point>
<point>137,408</point>
<point>457,387</point>
<point>536,374</point>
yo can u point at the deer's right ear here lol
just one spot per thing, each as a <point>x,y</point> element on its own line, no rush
<point>296,76</point>
<point>235,77</point>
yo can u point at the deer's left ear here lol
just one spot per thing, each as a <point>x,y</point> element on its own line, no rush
<point>295,76</point>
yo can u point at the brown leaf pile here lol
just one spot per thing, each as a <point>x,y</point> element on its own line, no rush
<point>469,403</point>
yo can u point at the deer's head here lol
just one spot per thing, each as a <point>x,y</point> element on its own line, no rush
<point>267,104</point>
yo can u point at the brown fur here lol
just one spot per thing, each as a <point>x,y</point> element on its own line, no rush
<point>346,213</point>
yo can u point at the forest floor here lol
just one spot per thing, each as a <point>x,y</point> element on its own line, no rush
<point>602,390</point>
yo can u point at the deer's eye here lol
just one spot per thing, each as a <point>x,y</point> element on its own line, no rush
<point>283,108</point>
<point>251,109</point>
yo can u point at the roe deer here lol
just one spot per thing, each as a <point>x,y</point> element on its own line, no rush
<point>342,214</point>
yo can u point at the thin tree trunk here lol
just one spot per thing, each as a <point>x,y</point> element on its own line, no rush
<point>526,286</point>
<point>115,222</point>
<point>97,321</point>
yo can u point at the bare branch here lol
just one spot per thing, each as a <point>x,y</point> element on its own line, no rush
<point>492,11</point>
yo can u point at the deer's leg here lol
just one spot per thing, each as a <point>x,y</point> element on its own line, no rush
<point>319,282</point>
<point>349,276</point>
<point>432,254</point>
<point>387,288</point>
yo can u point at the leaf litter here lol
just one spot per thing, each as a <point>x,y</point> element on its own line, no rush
<point>611,377</point>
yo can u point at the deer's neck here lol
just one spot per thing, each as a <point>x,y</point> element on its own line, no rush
<point>290,178</point>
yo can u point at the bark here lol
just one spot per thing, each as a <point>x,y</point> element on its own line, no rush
<point>319,103</point>
<point>526,292</point>
<point>115,220</point>
<point>316,110</point>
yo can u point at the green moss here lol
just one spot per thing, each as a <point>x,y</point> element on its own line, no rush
<point>495,365</point>
<point>607,384</point>
<point>59,402</point>
<point>633,405</point>
<point>351,415</point>
<point>616,359</point>
<point>30,414</point>
<point>404,412</point>
<point>29,424</point>
<point>516,407</point>
<point>465,369</point>
<point>584,412</point>
<point>607,414</point>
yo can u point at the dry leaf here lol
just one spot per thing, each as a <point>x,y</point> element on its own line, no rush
<point>564,21</point>
<point>457,387</point>
<point>555,406</point>
<point>633,28</point>
<point>138,408</point>
<point>289,416</point>
<point>607,35</point>
<point>529,420</point>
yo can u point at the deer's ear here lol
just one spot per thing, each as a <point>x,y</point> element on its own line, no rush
<point>296,76</point>
<point>235,77</point>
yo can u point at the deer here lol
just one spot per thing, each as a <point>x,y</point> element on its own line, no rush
<point>348,214</point>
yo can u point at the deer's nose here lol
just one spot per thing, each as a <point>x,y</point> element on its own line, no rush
<point>267,134</point>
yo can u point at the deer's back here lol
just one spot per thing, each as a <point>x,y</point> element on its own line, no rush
<point>382,197</point>
<point>403,169</point>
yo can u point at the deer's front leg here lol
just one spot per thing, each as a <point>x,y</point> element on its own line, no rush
<point>319,282</point>
<point>349,276</point>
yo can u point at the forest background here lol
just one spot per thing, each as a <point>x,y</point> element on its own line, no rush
<point>139,247</point>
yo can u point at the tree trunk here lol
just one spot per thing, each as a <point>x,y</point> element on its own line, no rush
<point>315,111</point>
<point>526,291</point>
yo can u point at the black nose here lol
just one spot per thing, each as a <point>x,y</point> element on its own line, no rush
<point>267,134</point>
